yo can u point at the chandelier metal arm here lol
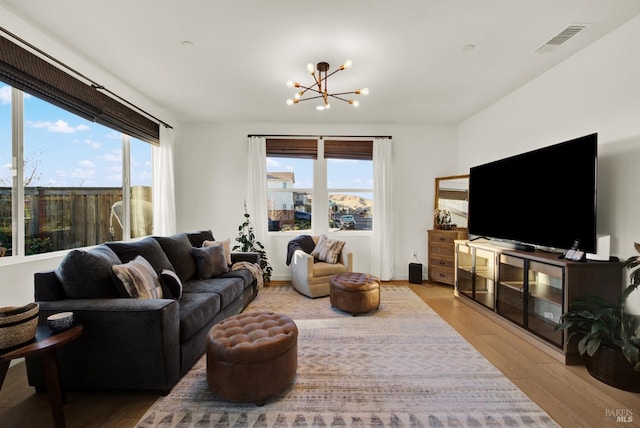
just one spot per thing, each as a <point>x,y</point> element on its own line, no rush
<point>320,81</point>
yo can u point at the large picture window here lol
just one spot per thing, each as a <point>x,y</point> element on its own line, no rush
<point>332,179</point>
<point>72,170</point>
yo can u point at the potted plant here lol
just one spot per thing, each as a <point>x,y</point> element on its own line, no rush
<point>248,243</point>
<point>609,337</point>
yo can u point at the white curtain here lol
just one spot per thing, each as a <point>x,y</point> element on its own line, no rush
<point>382,251</point>
<point>164,200</point>
<point>257,187</point>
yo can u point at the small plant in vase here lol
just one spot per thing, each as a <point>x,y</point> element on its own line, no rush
<point>248,243</point>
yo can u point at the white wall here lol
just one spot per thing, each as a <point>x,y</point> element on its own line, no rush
<point>16,276</point>
<point>596,90</point>
<point>211,182</point>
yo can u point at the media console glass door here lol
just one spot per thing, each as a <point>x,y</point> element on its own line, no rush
<point>476,274</point>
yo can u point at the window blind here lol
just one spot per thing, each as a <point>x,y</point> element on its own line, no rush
<point>292,148</point>
<point>348,149</point>
<point>30,73</point>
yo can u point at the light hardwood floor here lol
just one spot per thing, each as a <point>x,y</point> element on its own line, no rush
<point>567,393</point>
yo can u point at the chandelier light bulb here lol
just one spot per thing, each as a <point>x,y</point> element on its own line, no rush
<point>290,83</point>
<point>348,63</point>
<point>319,108</point>
<point>289,102</point>
<point>363,91</point>
<point>310,68</point>
<point>327,106</point>
<point>297,95</point>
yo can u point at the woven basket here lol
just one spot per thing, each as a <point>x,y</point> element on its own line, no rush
<point>18,324</point>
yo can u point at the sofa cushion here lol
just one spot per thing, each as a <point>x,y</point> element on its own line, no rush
<point>327,250</point>
<point>244,274</point>
<point>196,310</point>
<point>147,248</point>
<point>197,238</point>
<point>227,288</point>
<point>226,244</point>
<point>171,284</point>
<point>178,249</point>
<point>210,261</point>
<point>137,279</point>
<point>87,274</point>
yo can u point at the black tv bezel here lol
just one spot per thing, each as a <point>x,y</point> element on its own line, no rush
<point>520,240</point>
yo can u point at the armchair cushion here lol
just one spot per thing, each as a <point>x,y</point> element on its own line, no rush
<point>327,250</point>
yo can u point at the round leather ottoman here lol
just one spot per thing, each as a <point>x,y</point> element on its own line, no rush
<point>354,292</point>
<point>252,356</point>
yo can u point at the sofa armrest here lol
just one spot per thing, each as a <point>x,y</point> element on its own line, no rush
<point>126,344</point>
<point>47,286</point>
<point>252,257</point>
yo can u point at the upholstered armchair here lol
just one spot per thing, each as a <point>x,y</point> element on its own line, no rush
<point>311,277</point>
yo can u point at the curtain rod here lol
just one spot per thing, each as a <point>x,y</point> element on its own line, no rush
<point>320,136</point>
<point>77,73</point>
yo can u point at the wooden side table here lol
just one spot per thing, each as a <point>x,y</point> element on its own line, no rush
<point>45,343</point>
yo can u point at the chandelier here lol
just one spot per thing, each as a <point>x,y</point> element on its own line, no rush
<point>318,89</point>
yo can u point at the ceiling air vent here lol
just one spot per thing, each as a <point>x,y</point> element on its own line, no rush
<point>561,37</point>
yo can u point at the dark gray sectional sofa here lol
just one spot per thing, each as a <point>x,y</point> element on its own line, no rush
<point>131,343</point>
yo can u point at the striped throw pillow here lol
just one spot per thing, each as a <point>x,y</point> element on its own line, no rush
<point>327,250</point>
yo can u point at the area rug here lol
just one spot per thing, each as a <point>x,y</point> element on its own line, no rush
<point>400,366</point>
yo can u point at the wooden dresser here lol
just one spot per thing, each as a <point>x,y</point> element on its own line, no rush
<point>441,248</point>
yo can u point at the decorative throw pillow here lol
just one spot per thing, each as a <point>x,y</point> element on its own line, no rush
<point>138,279</point>
<point>197,238</point>
<point>171,284</point>
<point>87,274</point>
<point>226,245</point>
<point>327,250</point>
<point>210,261</point>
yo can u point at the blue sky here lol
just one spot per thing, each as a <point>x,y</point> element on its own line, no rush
<point>68,151</point>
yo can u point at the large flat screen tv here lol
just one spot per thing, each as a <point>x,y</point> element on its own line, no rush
<point>544,198</point>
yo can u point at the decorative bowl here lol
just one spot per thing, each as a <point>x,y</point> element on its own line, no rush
<point>60,321</point>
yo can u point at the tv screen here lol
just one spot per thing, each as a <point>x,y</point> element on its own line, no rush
<point>545,198</point>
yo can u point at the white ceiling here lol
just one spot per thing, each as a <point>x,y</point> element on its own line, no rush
<point>410,53</point>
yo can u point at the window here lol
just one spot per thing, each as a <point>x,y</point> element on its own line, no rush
<point>6,179</point>
<point>340,188</point>
<point>349,184</point>
<point>72,174</point>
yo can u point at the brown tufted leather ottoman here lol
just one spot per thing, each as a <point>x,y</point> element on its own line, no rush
<point>354,292</point>
<point>252,356</point>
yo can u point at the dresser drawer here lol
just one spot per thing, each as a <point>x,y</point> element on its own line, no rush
<point>441,275</point>
<point>441,262</point>
<point>443,237</point>
<point>442,250</point>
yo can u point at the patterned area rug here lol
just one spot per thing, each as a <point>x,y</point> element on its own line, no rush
<point>401,366</point>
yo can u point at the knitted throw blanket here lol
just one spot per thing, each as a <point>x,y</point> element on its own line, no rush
<point>255,270</point>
